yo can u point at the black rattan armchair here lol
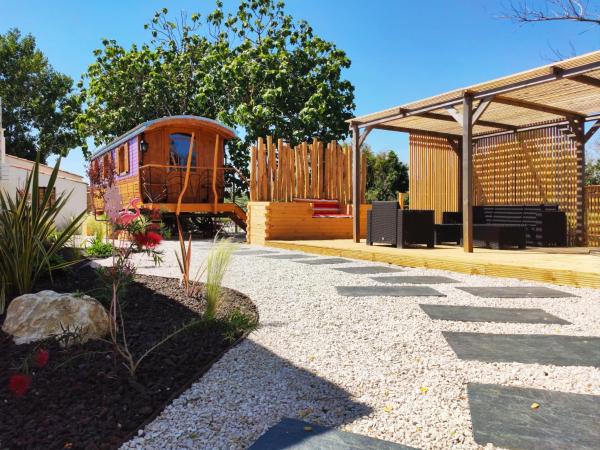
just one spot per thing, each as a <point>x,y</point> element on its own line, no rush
<point>387,223</point>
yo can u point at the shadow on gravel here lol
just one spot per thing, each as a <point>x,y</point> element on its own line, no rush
<point>264,388</point>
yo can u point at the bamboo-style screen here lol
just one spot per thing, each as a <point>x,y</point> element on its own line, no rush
<point>592,208</point>
<point>281,173</point>
<point>433,175</point>
<point>530,167</point>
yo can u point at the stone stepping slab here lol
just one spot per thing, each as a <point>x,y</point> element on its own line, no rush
<point>414,279</point>
<point>254,252</point>
<point>484,314</point>
<point>367,270</point>
<point>288,256</point>
<point>514,292</point>
<point>526,348</point>
<point>503,416</point>
<point>388,291</point>
<point>292,434</point>
<point>318,262</point>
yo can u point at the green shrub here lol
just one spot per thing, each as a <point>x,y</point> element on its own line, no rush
<point>99,248</point>
<point>29,241</point>
<point>238,323</point>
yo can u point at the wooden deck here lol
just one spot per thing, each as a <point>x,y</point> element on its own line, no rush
<point>566,266</point>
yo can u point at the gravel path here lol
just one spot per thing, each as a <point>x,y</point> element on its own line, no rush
<point>377,366</point>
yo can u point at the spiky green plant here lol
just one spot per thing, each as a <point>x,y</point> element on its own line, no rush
<point>216,265</point>
<point>29,240</point>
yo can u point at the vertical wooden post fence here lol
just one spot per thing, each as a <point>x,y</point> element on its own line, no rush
<point>310,170</point>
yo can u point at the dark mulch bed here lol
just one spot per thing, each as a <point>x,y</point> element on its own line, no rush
<point>81,399</point>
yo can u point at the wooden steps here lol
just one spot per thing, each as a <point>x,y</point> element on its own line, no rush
<point>324,208</point>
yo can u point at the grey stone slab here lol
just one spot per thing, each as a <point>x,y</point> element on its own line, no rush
<point>254,252</point>
<point>318,262</point>
<point>503,416</point>
<point>292,434</point>
<point>514,292</point>
<point>288,256</point>
<point>484,314</point>
<point>414,279</point>
<point>388,291</point>
<point>367,270</point>
<point>526,348</point>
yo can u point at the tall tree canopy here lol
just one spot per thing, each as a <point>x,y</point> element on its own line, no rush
<point>386,175</point>
<point>38,105</point>
<point>257,69</point>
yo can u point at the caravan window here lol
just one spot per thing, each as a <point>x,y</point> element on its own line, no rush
<point>123,159</point>
<point>179,145</point>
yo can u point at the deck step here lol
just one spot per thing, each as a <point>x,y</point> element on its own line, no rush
<point>325,208</point>
<point>332,216</point>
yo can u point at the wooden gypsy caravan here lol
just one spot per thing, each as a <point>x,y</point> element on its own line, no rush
<point>175,164</point>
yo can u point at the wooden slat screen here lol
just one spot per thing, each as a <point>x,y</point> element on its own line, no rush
<point>592,210</point>
<point>311,170</point>
<point>530,167</point>
<point>433,175</point>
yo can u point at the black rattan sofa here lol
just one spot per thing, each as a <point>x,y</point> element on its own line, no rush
<point>387,223</point>
<point>544,226</point>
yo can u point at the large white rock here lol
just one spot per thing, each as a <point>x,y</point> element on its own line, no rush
<point>34,317</point>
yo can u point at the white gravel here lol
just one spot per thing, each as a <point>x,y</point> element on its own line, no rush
<point>376,366</point>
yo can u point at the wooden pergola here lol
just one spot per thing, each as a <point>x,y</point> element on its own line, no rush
<point>566,94</point>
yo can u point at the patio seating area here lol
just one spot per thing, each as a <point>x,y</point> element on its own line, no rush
<point>508,153</point>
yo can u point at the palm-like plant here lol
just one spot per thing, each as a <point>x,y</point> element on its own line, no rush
<point>29,239</point>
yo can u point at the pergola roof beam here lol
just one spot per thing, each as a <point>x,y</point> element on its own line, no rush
<point>483,105</point>
<point>586,79</point>
<point>588,135</point>
<point>536,106</point>
<point>457,116</point>
<point>363,136</point>
<point>412,130</point>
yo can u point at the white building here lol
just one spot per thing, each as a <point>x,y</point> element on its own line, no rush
<point>14,171</point>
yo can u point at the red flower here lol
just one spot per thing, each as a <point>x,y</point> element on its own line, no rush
<point>150,239</point>
<point>42,357</point>
<point>155,214</point>
<point>19,384</point>
<point>153,227</point>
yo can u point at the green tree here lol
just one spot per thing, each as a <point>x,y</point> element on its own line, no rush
<point>257,69</point>
<point>38,104</point>
<point>592,172</point>
<point>386,175</point>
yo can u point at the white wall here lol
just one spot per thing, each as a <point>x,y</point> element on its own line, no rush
<point>66,182</point>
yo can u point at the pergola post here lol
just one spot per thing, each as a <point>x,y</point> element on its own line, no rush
<point>467,172</point>
<point>355,182</point>
<point>578,129</point>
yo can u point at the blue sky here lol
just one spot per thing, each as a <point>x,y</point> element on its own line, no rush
<point>400,50</point>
